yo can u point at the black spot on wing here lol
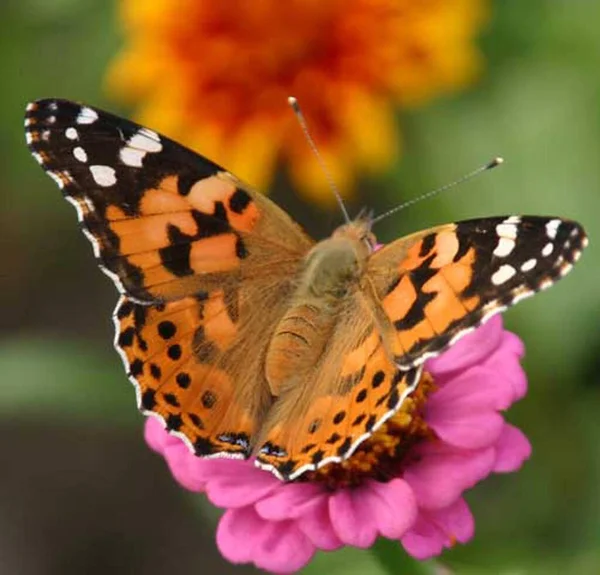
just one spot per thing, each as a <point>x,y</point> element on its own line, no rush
<point>148,400</point>
<point>239,201</point>
<point>427,244</point>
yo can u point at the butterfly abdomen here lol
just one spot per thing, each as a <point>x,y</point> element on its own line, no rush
<point>296,345</point>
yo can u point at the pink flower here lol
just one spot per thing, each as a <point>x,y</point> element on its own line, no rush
<point>279,526</point>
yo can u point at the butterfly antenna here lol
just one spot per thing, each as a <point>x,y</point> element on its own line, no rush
<point>492,164</point>
<point>301,120</point>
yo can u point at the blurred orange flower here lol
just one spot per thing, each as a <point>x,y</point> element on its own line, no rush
<point>215,75</point>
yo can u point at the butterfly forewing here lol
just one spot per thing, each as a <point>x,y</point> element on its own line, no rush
<point>164,222</point>
<point>438,285</point>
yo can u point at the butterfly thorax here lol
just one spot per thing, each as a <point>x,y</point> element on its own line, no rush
<point>331,271</point>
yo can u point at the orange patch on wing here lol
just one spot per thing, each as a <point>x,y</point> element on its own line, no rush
<point>408,338</point>
<point>138,235</point>
<point>399,301</point>
<point>218,326</point>
<point>214,254</point>
<point>245,221</point>
<point>445,307</point>
<point>163,199</point>
<point>358,357</point>
<point>205,192</point>
<point>413,259</point>
<point>114,213</point>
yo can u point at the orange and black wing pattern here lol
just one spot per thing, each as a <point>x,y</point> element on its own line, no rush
<point>342,400</point>
<point>437,285</point>
<point>164,222</point>
<point>204,265</point>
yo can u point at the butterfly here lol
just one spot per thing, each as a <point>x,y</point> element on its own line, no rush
<point>245,336</point>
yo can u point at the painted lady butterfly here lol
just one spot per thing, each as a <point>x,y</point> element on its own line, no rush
<point>246,336</point>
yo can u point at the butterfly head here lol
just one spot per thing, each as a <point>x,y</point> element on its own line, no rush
<point>359,230</point>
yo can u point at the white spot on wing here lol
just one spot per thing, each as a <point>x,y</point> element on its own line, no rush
<point>146,140</point>
<point>505,247</point>
<point>547,249</point>
<point>87,116</point>
<point>150,134</point>
<point>507,230</point>
<point>503,274</point>
<point>80,154</point>
<point>103,175</point>
<point>529,265</point>
<point>552,228</point>
<point>71,133</point>
<point>131,157</point>
<point>513,220</point>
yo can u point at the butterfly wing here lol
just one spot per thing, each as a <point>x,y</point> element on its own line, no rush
<point>439,284</point>
<point>164,222</point>
<point>204,263</point>
<point>353,389</point>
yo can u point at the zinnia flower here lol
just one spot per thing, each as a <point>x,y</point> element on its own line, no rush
<point>452,436</point>
<point>216,76</point>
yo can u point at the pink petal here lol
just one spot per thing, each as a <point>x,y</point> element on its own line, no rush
<point>394,507</point>
<point>187,469</point>
<point>283,548</point>
<point>279,547</point>
<point>424,540</point>
<point>359,515</point>
<point>435,530</point>
<point>456,521</point>
<point>236,526</point>
<point>316,525</point>
<point>290,501</point>
<point>512,449</point>
<point>238,483</point>
<point>474,390</point>
<point>351,517</point>
<point>468,432</point>
<point>469,350</point>
<point>509,370</point>
<point>156,435</point>
<point>512,344</point>
<point>443,473</point>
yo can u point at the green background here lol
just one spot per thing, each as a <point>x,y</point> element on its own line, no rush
<point>79,490</point>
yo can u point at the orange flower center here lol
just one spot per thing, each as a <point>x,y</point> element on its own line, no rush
<point>388,451</point>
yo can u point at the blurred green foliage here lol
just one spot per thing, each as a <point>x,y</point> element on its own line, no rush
<point>537,104</point>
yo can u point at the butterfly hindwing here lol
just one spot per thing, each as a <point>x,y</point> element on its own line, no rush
<point>437,285</point>
<point>164,222</point>
<point>343,399</point>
